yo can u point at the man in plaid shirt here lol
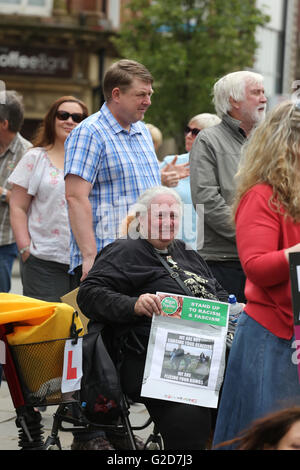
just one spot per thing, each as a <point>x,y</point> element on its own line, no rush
<point>12,148</point>
<point>110,160</point>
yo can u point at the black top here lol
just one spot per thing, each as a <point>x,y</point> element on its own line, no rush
<point>127,268</point>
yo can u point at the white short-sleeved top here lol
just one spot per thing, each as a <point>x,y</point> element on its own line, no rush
<point>48,221</point>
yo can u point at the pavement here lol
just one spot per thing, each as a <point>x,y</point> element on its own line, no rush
<point>8,430</point>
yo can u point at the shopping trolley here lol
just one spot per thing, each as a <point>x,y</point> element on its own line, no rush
<point>34,350</point>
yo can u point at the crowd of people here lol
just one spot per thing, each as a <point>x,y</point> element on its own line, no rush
<point>88,204</point>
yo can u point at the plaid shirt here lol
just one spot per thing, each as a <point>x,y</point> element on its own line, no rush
<point>8,161</point>
<point>119,164</point>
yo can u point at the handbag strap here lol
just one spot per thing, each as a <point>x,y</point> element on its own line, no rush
<point>174,275</point>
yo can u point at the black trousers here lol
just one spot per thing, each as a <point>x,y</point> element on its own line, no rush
<point>46,280</point>
<point>182,427</point>
<point>231,276</point>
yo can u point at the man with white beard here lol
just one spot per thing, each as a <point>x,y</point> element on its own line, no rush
<point>240,102</point>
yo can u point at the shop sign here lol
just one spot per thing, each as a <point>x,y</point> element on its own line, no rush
<point>38,62</point>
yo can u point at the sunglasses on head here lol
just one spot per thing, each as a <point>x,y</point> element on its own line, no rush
<point>194,131</point>
<point>64,115</point>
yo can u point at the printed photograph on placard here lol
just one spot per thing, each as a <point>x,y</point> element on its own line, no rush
<point>187,359</point>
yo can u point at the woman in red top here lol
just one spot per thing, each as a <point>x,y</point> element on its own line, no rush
<point>261,376</point>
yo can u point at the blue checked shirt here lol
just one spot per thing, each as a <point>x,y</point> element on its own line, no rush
<point>119,164</point>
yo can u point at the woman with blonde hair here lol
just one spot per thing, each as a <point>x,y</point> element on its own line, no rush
<point>261,376</point>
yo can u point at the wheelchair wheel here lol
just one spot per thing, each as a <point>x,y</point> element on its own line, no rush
<point>154,442</point>
<point>52,444</point>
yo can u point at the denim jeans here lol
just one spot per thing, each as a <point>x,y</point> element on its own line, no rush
<point>260,378</point>
<point>8,254</point>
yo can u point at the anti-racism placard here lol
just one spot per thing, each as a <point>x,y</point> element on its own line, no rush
<point>191,308</point>
<point>294,260</point>
<point>186,351</point>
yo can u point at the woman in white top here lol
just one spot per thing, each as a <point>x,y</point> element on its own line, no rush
<point>38,208</point>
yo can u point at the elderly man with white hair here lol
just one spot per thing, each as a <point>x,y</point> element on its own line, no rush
<point>240,102</point>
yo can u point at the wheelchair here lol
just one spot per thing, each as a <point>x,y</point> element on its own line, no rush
<point>34,383</point>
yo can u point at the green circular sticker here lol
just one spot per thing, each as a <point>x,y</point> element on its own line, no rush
<point>169,305</point>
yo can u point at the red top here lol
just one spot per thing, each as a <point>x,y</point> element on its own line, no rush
<point>262,235</point>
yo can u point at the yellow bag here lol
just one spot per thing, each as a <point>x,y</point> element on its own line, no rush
<point>37,339</point>
<point>36,320</point>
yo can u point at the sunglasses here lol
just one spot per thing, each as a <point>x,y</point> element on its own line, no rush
<point>194,131</point>
<point>64,115</point>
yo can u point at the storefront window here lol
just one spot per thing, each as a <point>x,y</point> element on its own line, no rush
<point>27,7</point>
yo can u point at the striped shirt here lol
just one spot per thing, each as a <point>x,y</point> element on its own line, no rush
<point>119,164</point>
<point>8,161</point>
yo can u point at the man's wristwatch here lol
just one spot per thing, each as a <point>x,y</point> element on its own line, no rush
<point>3,195</point>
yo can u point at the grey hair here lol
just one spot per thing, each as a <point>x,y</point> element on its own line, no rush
<point>144,201</point>
<point>233,85</point>
<point>131,223</point>
<point>206,120</point>
<point>12,110</point>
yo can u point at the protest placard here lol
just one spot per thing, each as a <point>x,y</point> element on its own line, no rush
<point>294,261</point>
<point>186,351</point>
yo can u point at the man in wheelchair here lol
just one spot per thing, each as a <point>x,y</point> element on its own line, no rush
<point>120,291</point>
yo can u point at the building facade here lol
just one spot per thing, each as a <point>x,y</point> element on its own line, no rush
<point>51,48</point>
<point>276,56</point>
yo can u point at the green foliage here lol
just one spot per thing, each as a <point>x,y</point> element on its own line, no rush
<point>187,45</point>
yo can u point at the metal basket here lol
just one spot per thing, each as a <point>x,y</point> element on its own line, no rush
<point>40,368</point>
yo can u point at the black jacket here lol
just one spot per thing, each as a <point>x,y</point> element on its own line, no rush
<point>127,268</point>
